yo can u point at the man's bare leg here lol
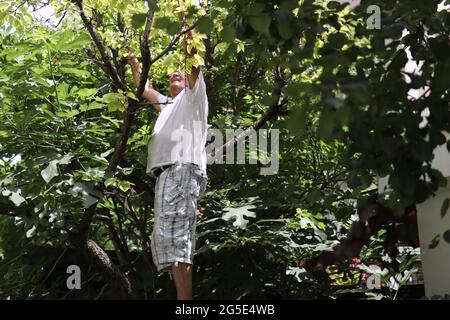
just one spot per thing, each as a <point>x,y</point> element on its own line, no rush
<point>182,275</point>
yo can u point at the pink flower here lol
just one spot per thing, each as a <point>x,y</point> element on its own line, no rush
<point>356,261</point>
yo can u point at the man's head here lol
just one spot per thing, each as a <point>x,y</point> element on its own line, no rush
<point>176,83</point>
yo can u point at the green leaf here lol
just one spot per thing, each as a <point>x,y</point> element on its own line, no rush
<point>228,34</point>
<point>240,46</point>
<point>63,38</point>
<point>109,97</point>
<point>269,100</point>
<point>80,41</point>
<point>153,5</point>
<point>114,101</point>
<point>131,95</point>
<point>294,89</point>
<point>285,30</point>
<point>31,232</point>
<point>67,114</point>
<point>94,173</point>
<point>437,177</point>
<point>50,171</point>
<point>205,25</point>
<point>334,5</point>
<point>86,92</point>
<point>285,26</point>
<point>16,197</point>
<point>172,27</point>
<point>161,22</point>
<point>127,171</point>
<point>337,40</point>
<point>289,4</point>
<point>326,124</point>
<point>110,182</point>
<point>314,196</point>
<point>238,215</point>
<point>260,23</point>
<point>254,8</point>
<point>115,105</point>
<point>93,105</point>
<point>75,71</point>
<point>197,60</point>
<point>66,159</point>
<point>87,193</point>
<point>138,20</point>
<point>63,91</point>
<point>124,185</point>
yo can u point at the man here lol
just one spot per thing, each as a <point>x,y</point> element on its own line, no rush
<point>177,159</point>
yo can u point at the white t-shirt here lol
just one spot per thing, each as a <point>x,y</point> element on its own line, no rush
<point>180,132</point>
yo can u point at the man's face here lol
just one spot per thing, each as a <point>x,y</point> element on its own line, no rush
<point>176,83</point>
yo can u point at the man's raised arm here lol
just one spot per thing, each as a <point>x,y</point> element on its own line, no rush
<point>193,74</point>
<point>150,94</point>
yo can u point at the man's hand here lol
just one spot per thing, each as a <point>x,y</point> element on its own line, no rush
<point>193,75</point>
<point>132,59</point>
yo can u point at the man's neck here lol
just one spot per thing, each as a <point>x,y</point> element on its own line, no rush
<point>175,93</point>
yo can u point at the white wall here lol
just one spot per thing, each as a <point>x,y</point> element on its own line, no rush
<point>436,261</point>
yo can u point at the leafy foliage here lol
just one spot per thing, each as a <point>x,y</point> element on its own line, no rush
<point>339,93</point>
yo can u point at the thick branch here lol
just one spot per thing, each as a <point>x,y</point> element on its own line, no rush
<point>98,256</point>
<point>91,56</point>
<point>145,53</point>
<point>120,246</point>
<point>109,270</point>
<point>130,111</point>
<point>112,73</point>
<point>125,129</point>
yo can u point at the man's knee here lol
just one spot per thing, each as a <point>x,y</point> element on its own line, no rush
<point>181,266</point>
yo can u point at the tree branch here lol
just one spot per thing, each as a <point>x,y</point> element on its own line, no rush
<point>94,59</point>
<point>120,247</point>
<point>271,112</point>
<point>125,129</point>
<point>109,270</point>
<point>172,43</point>
<point>112,73</point>
<point>145,53</point>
